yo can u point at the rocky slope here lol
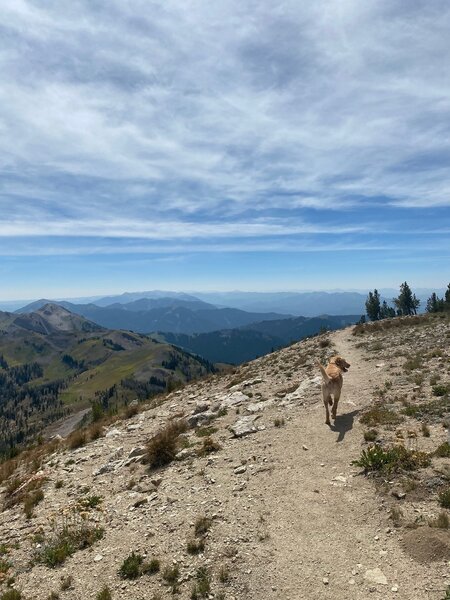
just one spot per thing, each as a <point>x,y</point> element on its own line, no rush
<point>278,510</point>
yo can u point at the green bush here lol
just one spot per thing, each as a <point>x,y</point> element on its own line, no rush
<point>396,458</point>
<point>443,451</point>
<point>104,594</point>
<point>131,567</point>
<point>440,390</point>
<point>11,595</point>
<point>67,542</point>
<point>444,498</point>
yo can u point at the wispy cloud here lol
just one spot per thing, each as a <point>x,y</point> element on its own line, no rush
<point>228,124</point>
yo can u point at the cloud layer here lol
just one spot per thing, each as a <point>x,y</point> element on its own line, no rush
<point>222,122</point>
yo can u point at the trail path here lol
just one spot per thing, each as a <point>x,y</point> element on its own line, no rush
<point>325,533</point>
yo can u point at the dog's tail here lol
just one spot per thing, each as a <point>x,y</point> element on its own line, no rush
<point>324,373</point>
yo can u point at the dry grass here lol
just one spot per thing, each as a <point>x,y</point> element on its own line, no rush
<point>163,446</point>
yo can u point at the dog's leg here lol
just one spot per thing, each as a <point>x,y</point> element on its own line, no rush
<point>337,395</point>
<point>326,400</point>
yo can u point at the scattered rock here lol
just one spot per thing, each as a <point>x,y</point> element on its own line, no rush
<point>244,426</point>
<point>375,576</point>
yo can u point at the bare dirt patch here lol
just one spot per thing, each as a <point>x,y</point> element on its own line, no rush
<point>426,544</point>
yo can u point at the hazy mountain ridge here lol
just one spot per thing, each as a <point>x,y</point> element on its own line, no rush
<point>249,342</point>
<point>167,314</point>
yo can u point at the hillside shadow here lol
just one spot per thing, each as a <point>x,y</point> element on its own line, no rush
<point>343,424</point>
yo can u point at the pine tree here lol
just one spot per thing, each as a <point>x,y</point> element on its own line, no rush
<point>386,312</point>
<point>406,302</point>
<point>373,305</point>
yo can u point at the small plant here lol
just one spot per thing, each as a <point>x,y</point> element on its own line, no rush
<point>202,524</point>
<point>53,596</point>
<point>443,451</point>
<point>278,421</point>
<point>444,498</point>
<point>90,501</point>
<point>59,484</point>
<point>104,594</point>
<point>440,390</point>
<point>202,586</point>
<point>396,515</point>
<point>208,447</point>
<point>205,431</point>
<point>379,415</point>
<point>396,458</point>
<point>151,567</point>
<point>32,500</point>
<point>67,582</point>
<point>224,574</point>
<point>67,542</point>
<point>4,566</point>
<point>11,594</point>
<point>195,546</point>
<point>425,430</point>
<point>162,447</point>
<point>442,521</point>
<point>447,593</point>
<point>77,439</point>
<point>370,435</point>
<point>171,576</point>
<point>131,567</point>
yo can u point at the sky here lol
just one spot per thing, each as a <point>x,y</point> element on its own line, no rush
<point>233,144</point>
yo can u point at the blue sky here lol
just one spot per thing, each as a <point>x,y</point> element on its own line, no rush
<point>223,145</point>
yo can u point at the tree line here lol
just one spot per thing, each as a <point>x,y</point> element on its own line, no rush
<point>405,304</point>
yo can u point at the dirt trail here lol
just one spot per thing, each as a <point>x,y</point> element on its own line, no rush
<point>325,534</point>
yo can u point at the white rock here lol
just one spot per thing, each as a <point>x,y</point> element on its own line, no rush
<point>375,576</point>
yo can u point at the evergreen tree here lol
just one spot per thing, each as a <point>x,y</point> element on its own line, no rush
<point>373,305</point>
<point>447,298</point>
<point>406,302</point>
<point>386,312</point>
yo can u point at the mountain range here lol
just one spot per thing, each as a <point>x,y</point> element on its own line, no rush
<point>247,343</point>
<point>161,314</point>
<point>54,362</point>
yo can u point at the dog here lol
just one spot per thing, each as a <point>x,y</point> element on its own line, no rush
<point>332,384</point>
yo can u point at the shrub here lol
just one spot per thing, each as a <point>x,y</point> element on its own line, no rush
<point>131,567</point>
<point>440,390</point>
<point>370,435</point>
<point>162,447</point>
<point>202,524</point>
<point>4,566</point>
<point>442,521</point>
<point>278,422</point>
<point>425,430</point>
<point>209,446</point>
<point>380,415</point>
<point>151,567</point>
<point>32,500</point>
<point>66,583</point>
<point>11,595</point>
<point>104,594</point>
<point>395,458</point>
<point>224,574</point>
<point>67,542</point>
<point>443,451</point>
<point>444,498</point>
<point>205,431</point>
<point>90,501</point>
<point>195,546</point>
<point>202,586</point>
<point>171,576</point>
<point>77,439</point>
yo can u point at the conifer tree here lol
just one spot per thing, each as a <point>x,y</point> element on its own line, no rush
<point>373,305</point>
<point>406,302</point>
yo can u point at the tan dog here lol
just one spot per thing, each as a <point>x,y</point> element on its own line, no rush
<point>332,384</point>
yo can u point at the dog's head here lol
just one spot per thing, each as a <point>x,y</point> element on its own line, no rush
<point>340,362</point>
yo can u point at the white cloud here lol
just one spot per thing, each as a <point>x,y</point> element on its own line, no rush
<point>226,108</point>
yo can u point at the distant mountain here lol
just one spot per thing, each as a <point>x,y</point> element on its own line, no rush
<point>128,297</point>
<point>308,304</point>
<point>54,363</point>
<point>246,343</point>
<point>168,314</point>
